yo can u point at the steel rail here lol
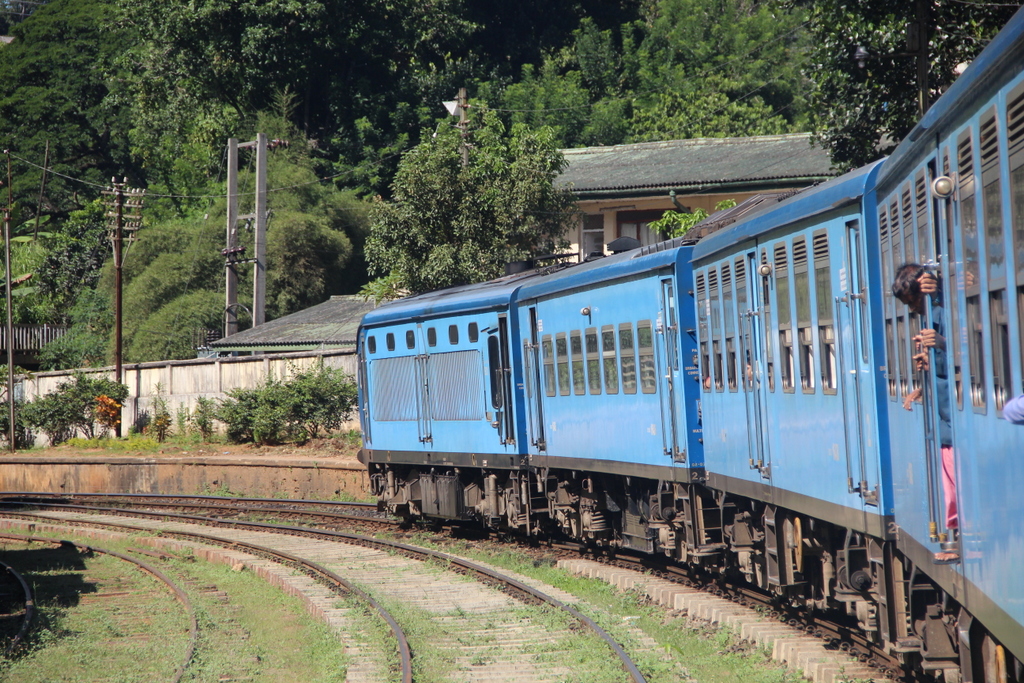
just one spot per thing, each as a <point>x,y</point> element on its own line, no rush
<point>627,663</point>
<point>30,608</point>
<point>179,594</point>
<point>310,568</point>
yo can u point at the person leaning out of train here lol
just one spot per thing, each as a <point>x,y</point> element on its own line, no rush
<point>914,285</point>
<point>1013,411</point>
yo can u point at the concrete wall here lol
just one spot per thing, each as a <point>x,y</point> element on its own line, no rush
<point>181,382</point>
<point>325,479</point>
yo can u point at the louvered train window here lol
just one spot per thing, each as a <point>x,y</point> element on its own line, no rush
<point>995,257</point>
<point>972,272</point>
<point>805,334</point>
<point>786,360</point>
<point>890,302</point>
<point>746,361</point>
<point>1015,145</point>
<point>703,310</point>
<point>730,327</point>
<point>825,308</point>
<point>716,330</point>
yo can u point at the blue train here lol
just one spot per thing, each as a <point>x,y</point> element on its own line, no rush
<point>757,402</point>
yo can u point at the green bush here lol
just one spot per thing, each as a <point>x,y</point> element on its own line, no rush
<point>71,408</point>
<point>23,436</point>
<point>203,416</point>
<point>319,399</point>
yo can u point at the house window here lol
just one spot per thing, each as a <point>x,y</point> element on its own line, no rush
<point>592,241</point>
<point>636,224</point>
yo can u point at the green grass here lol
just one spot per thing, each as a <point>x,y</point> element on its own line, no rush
<point>257,634</point>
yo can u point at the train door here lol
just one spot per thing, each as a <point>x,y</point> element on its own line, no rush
<point>755,325</point>
<point>534,387</point>
<point>416,341</point>
<point>668,328</point>
<point>500,372</point>
<point>854,369</point>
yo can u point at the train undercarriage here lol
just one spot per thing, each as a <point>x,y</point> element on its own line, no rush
<point>804,563</point>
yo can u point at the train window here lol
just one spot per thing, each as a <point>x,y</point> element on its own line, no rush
<point>902,350</point>
<point>951,296</point>
<point>579,382</point>
<point>716,329</point>
<point>474,333</point>
<point>496,373</point>
<point>453,334</point>
<point>1015,145</point>
<point>995,256</point>
<point>431,336</point>
<point>548,352</point>
<point>593,361</point>
<point>611,368</point>
<point>889,302</point>
<point>730,327</point>
<point>924,228</point>
<point>371,344</point>
<point>645,349</point>
<point>562,351</point>
<point>1000,347</point>
<point>390,338</point>
<point>410,339</point>
<point>915,321</point>
<point>703,308</point>
<point>972,275</point>
<point>895,236</point>
<point>826,327</point>
<point>805,335</point>
<point>786,360</point>
<point>747,369</point>
<point>627,358</point>
<point>908,226</point>
<point>766,310</point>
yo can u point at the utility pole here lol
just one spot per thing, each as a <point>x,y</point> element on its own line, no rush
<point>233,253</point>
<point>126,216</point>
<point>12,431</point>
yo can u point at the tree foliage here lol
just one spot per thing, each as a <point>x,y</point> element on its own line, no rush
<point>860,114</point>
<point>450,224</point>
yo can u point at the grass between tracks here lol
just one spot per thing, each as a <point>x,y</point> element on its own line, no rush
<point>247,631</point>
<point>685,650</point>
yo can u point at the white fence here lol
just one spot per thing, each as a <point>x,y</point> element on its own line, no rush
<point>181,382</point>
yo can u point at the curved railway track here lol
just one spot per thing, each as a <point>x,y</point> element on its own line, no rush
<point>491,604</point>
<point>27,610</point>
<point>833,635</point>
<point>179,594</point>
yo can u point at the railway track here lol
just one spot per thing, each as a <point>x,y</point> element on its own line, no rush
<point>478,628</point>
<point>826,644</point>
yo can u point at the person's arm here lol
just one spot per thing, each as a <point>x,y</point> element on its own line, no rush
<point>1013,411</point>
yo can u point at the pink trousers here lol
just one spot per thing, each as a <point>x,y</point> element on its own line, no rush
<point>949,486</point>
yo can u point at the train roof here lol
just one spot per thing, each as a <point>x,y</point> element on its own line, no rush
<point>601,270</point>
<point>493,294</point>
<point>834,194</point>
<point>1001,60</point>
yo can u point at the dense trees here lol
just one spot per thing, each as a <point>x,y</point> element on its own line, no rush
<point>451,224</point>
<point>861,113</point>
<point>151,89</point>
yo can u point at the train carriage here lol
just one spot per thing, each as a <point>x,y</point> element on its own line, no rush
<point>952,197</point>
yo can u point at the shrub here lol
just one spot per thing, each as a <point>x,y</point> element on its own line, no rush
<point>318,399</point>
<point>23,436</point>
<point>203,416</point>
<point>161,423</point>
<point>72,407</point>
